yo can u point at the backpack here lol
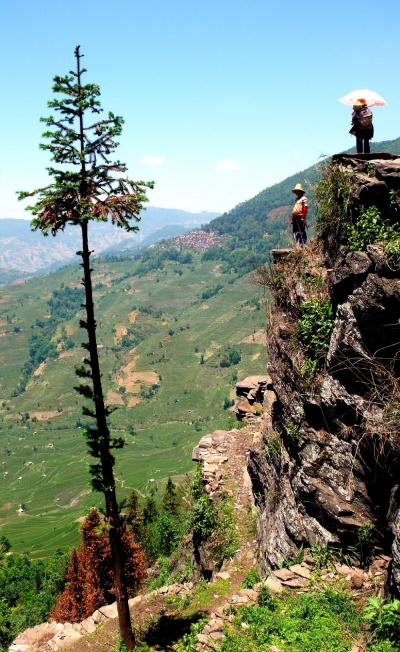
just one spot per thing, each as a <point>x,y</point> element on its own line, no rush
<point>365,119</point>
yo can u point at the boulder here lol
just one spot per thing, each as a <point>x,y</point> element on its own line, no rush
<point>283,574</point>
<point>109,610</point>
<point>301,570</point>
<point>273,584</point>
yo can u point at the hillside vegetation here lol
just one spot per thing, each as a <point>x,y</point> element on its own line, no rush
<point>175,330</point>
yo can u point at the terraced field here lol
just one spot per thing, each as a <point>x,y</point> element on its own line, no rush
<point>161,344</point>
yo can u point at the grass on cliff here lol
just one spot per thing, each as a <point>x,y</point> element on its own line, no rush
<point>332,193</point>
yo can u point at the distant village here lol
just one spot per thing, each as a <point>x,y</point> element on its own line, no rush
<point>196,240</point>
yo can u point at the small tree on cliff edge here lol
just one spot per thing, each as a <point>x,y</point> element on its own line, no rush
<point>90,187</point>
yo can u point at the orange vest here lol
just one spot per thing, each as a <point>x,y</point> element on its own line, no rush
<point>300,209</point>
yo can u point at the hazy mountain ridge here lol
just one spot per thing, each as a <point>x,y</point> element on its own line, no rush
<point>27,252</point>
<point>257,224</point>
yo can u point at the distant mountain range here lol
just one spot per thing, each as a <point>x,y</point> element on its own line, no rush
<point>23,252</point>
<point>254,226</point>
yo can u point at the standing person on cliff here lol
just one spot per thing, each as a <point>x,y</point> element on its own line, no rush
<point>361,126</point>
<point>299,215</point>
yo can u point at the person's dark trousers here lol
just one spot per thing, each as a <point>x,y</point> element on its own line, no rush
<point>300,237</point>
<point>363,145</point>
<point>299,232</point>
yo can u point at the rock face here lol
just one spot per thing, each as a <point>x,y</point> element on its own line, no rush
<point>330,463</point>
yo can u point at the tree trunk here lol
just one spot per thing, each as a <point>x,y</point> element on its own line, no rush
<point>106,458</point>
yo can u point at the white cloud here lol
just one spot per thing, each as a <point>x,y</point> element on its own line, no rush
<point>153,160</point>
<point>227,165</point>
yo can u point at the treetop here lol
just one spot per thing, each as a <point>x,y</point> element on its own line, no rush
<point>89,185</point>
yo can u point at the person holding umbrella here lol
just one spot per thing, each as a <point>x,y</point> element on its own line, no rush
<point>361,126</point>
<point>361,120</point>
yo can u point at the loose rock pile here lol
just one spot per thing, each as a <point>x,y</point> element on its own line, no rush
<point>211,453</point>
<point>250,396</point>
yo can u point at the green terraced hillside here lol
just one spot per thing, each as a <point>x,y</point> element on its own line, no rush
<point>165,327</point>
<point>163,336</point>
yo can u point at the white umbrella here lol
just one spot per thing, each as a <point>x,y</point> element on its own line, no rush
<point>371,98</point>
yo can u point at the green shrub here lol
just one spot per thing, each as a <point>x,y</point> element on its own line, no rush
<point>189,642</point>
<point>163,534</point>
<point>224,539</point>
<point>293,430</point>
<point>265,598</point>
<point>315,326</point>
<point>203,515</point>
<point>370,169</point>
<point>211,292</point>
<point>230,356</point>
<point>163,576</point>
<point>228,402</point>
<point>383,619</point>
<point>158,525</point>
<point>213,521</point>
<point>393,247</point>
<point>324,621</point>
<point>28,592</point>
<point>364,541</point>
<point>274,448</point>
<point>369,228</point>
<point>313,282</point>
<point>5,545</point>
<point>120,647</point>
<point>309,368</point>
<point>325,556</point>
<point>251,579</point>
<point>383,646</point>
<point>288,561</point>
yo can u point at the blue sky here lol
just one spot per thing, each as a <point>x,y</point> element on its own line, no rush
<point>221,98</point>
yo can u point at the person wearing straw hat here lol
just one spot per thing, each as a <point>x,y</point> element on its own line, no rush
<point>299,215</point>
<point>361,125</point>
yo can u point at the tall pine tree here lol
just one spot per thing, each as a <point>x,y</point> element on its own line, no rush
<point>90,186</point>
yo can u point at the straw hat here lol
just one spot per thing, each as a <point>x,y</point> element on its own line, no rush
<point>298,188</point>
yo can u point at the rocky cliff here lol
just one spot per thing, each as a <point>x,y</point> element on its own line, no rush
<point>328,468</point>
